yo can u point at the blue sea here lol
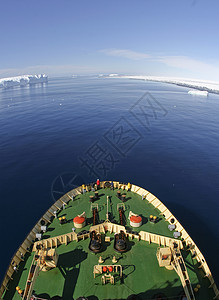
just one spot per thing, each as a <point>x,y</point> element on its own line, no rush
<point>57,135</point>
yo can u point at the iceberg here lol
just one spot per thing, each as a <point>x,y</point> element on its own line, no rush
<point>198,93</point>
<point>23,80</point>
<point>113,75</point>
<point>198,85</point>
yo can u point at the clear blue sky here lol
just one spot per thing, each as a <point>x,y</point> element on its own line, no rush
<point>57,37</point>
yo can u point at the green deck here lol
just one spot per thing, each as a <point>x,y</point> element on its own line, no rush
<point>73,276</point>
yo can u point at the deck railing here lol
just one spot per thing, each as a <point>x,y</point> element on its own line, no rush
<point>54,242</point>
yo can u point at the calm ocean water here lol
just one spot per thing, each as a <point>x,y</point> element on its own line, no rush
<point>56,135</point>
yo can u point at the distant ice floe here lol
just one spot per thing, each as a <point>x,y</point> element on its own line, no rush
<point>199,85</point>
<point>113,75</point>
<point>22,80</point>
<point>198,93</point>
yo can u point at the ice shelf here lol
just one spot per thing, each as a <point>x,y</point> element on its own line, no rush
<point>22,80</point>
<point>201,85</point>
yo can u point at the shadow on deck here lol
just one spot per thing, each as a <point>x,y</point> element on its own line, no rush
<point>69,266</point>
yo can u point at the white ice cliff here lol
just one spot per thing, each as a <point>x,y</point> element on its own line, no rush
<point>22,80</point>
